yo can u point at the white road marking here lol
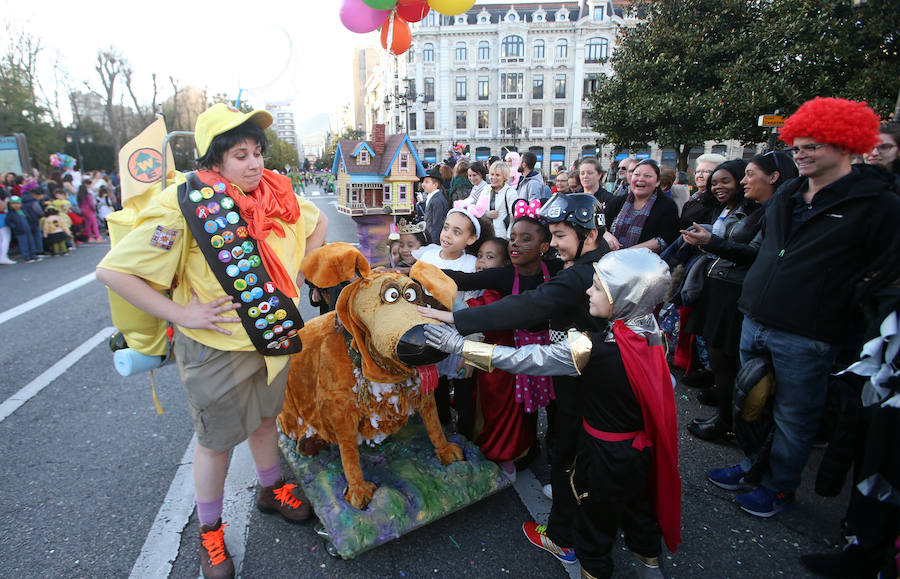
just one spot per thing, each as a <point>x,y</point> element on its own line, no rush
<point>240,485</point>
<point>531,492</point>
<point>31,389</point>
<point>42,299</point>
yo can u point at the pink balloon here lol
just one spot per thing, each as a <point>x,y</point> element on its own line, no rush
<point>357,17</point>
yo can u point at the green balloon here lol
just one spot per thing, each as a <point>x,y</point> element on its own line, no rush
<point>380,4</point>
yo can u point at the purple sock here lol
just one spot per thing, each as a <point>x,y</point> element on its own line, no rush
<point>209,511</point>
<point>269,476</point>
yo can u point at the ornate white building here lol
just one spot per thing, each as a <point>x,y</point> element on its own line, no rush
<point>499,77</point>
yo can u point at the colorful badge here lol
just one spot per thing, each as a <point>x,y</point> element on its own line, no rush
<point>202,212</point>
<point>219,186</point>
<point>253,312</point>
<point>260,324</point>
<point>206,192</point>
<point>232,217</point>
<point>274,301</point>
<point>254,260</point>
<point>195,196</point>
<point>221,222</point>
<point>163,238</point>
<point>269,287</point>
<point>265,307</point>
<point>227,203</point>
<point>271,318</point>
<point>278,329</point>
<point>213,207</point>
<point>224,255</point>
<point>244,265</point>
<point>268,335</point>
<point>228,236</point>
<point>242,232</point>
<point>248,246</point>
<point>288,324</point>
<point>232,270</point>
<point>210,226</point>
<point>247,298</point>
<point>292,333</point>
<point>256,293</point>
<point>250,278</point>
<point>217,241</point>
<point>240,285</point>
<point>237,252</point>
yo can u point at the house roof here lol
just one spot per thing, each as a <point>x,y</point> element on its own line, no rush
<point>347,151</point>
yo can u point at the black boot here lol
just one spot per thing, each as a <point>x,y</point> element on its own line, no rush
<point>712,429</point>
<point>701,378</point>
<point>709,396</point>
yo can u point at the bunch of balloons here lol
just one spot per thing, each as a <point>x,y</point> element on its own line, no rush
<point>392,16</point>
<point>61,160</point>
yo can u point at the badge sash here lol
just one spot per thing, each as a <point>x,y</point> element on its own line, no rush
<point>270,318</point>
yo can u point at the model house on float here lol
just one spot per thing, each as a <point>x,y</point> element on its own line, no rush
<point>377,177</point>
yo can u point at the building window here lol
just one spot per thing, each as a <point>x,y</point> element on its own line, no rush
<point>538,49</point>
<point>363,157</point>
<point>591,83</point>
<point>411,55</point>
<point>537,87</point>
<point>429,89</point>
<point>461,120</point>
<point>559,118</point>
<point>386,192</point>
<point>537,118</point>
<point>402,190</point>
<point>512,47</point>
<point>428,52</point>
<point>412,122</point>
<point>586,118</point>
<point>484,88</point>
<point>597,50</point>
<point>562,49</point>
<point>354,194</point>
<point>461,88</point>
<point>559,90</point>
<point>512,85</point>
<point>431,19</point>
<point>462,53</point>
<point>511,121</point>
<point>484,50</point>
<point>404,161</point>
<point>429,120</point>
<point>483,119</point>
<point>599,13</point>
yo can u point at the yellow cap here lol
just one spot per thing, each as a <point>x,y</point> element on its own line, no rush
<point>221,118</point>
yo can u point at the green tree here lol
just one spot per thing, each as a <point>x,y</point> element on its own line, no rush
<point>279,153</point>
<point>667,69</point>
<point>327,158</point>
<point>244,107</point>
<point>20,112</point>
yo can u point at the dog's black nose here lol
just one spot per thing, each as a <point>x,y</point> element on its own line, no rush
<point>413,351</point>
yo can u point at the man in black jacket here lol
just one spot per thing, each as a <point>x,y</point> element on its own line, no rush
<point>826,236</point>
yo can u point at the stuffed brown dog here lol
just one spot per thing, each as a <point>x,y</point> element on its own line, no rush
<point>355,380</point>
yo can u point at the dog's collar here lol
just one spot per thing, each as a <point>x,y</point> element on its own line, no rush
<point>353,353</point>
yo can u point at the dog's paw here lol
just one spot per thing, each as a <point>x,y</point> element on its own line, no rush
<point>449,453</point>
<point>360,495</point>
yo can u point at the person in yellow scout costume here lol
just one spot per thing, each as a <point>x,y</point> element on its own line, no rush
<point>227,241</point>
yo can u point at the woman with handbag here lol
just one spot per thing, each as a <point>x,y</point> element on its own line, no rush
<point>740,189</point>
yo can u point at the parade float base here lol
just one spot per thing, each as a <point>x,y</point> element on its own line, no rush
<point>414,488</point>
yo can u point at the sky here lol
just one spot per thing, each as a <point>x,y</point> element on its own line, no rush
<point>287,51</point>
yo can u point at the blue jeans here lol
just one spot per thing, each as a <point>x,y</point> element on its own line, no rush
<point>37,240</point>
<point>801,367</point>
<point>26,245</point>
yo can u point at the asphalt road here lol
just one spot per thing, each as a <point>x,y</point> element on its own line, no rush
<point>90,470</point>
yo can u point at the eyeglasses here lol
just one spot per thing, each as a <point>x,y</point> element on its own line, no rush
<point>884,147</point>
<point>775,159</point>
<point>808,149</point>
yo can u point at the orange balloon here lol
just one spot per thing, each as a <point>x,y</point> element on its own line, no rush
<point>400,36</point>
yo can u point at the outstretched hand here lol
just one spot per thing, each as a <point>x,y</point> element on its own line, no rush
<point>696,235</point>
<point>206,316</point>
<point>436,314</point>
<point>444,338</point>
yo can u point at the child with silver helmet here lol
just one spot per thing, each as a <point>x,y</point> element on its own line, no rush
<point>625,474</point>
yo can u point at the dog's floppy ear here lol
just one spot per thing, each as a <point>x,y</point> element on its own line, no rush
<point>334,263</point>
<point>435,282</point>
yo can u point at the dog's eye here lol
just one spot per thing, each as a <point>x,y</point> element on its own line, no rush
<point>391,295</point>
<point>411,294</point>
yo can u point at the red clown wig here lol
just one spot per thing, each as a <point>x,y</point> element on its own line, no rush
<point>846,124</point>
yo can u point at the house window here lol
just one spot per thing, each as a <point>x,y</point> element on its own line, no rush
<point>483,119</point>
<point>428,52</point>
<point>559,90</point>
<point>537,118</point>
<point>591,83</point>
<point>537,87</point>
<point>460,88</point>
<point>512,47</point>
<point>484,88</point>
<point>363,157</point>
<point>597,50</point>
<point>387,192</point>
<point>429,120</point>
<point>404,161</point>
<point>559,118</point>
<point>429,89</point>
<point>512,85</point>
<point>484,50</point>
<point>412,121</point>
<point>538,49</point>
<point>402,190</point>
<point>462,53</point>
<point>354,194</point>
<point>562,49</point>
<point>461,120</point>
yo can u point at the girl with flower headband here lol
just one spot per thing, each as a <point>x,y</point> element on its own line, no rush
<point>459,240</point>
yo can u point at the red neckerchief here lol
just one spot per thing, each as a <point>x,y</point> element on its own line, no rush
<point>273,198</point>
<point>651,382</point>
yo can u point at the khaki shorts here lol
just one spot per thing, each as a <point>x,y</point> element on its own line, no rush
<point>227,391</point>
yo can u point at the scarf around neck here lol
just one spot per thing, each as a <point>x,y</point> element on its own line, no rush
<point>629,224</point>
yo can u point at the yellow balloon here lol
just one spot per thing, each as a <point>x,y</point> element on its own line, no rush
<point>451,7</point>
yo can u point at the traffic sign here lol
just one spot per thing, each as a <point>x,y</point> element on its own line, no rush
<point>771,120</point>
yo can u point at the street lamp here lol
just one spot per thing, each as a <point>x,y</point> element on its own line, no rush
<point>512,131</point>
<point>78,136</point>
<point>405,100</point>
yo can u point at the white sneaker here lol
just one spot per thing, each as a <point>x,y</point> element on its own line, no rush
<point>508,468</point>
<point>7,261</point>
<point>548,491</point>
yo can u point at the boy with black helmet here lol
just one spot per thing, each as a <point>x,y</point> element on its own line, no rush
<point>577,227</point>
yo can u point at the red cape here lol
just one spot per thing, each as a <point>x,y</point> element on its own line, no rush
<point>651,382</point>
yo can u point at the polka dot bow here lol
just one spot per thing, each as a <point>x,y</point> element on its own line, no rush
<point>525,209</point>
